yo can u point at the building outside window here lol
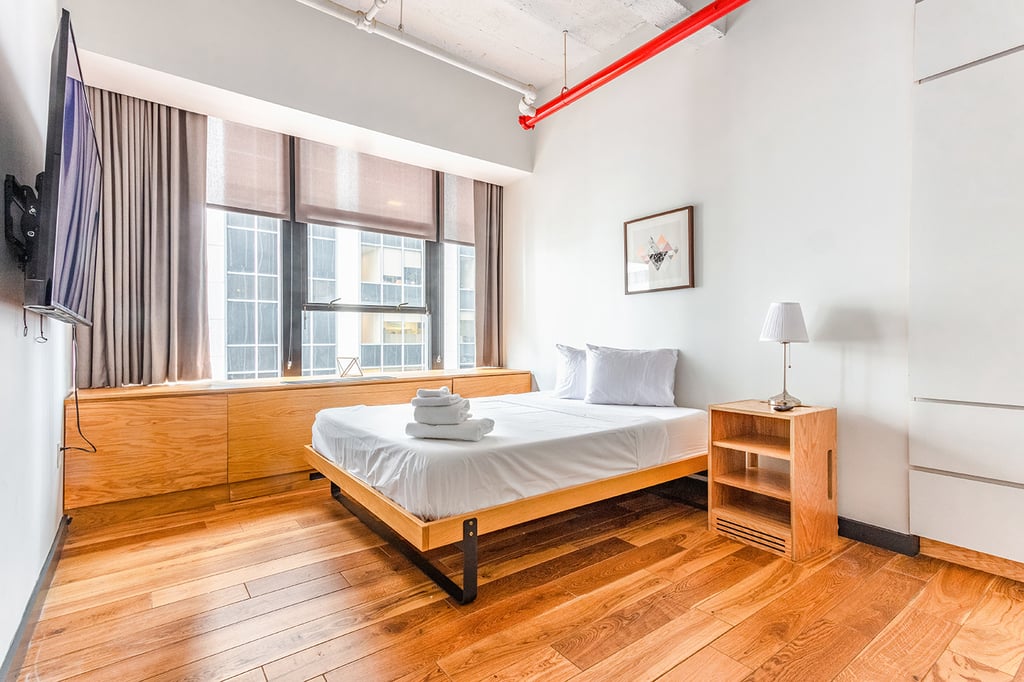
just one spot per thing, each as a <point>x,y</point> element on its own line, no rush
<point>244,278</point>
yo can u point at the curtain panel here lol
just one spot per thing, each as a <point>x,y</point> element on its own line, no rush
<point>150,322</point>
<point>488,213</point>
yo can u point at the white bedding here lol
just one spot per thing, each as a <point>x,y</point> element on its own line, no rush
<point>539,443</point>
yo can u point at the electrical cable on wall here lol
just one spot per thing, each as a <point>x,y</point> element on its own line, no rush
<point>74,382</point>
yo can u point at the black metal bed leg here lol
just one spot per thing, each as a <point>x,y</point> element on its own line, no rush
<point>464,594</point>
<point>469,561</point>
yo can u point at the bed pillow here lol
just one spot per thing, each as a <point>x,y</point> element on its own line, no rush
<point>571,373</point>
<point>631,377</point>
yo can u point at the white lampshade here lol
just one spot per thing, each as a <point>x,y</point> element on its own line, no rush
<point>785,324</point>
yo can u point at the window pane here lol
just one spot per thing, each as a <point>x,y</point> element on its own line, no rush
<point>268,360</point>
<point>241,359</point>
<point>240,250</point>
<point>244,308</point>
<point>413,355</point>
<point>392,294</point>
<point>369,293</point>
<point>269,323</point>
<point>413,332</point>
<point>413,276</point>
<point>267,253</point>
<point>467,300</point>
<point>392,266</point>
<point>466,273</point>
<point>321,258</point>
<point>241,220</point>
<point>370,264</point>
<point>241,322</point>
<point>414,296</point>
<point>371,328</point>
<point>369,356</point>
<point>268,288</point>
<point>241,286</point>
<point>392,356</point>
<point>393,331</point>
<point>391,240</point>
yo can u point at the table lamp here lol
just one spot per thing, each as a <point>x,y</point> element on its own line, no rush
<point>784,324</point>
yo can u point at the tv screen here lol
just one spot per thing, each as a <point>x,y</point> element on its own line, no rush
<point>61,275</point>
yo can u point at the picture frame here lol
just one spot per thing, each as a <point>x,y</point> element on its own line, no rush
<point>658,251</point>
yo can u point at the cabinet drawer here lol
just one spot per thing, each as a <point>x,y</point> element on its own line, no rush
<point>977,515</point>
<point>968,439</point>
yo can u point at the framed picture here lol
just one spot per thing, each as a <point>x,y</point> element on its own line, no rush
<point>659,251</point>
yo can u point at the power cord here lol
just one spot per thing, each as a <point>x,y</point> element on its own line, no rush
<point>74,382</point>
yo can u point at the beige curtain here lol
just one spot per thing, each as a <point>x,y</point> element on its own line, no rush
<point>149,310</point>
<point>487,238</point>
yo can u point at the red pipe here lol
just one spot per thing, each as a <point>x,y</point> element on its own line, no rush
<point>685,28</point>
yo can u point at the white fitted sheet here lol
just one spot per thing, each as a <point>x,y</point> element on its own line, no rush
<point>539,444</point>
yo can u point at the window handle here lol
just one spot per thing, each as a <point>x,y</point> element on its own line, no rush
<point>399,306</point>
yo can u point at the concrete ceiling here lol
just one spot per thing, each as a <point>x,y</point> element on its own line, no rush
<point>523,38</point>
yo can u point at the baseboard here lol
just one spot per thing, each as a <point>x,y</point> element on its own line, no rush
<point>19,646</point>
<point>880,537</point>
<point>973,559</point>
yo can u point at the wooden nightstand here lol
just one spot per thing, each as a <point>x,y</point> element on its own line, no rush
<point>772,476</point>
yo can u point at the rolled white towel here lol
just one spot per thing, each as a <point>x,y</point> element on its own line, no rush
<point>472,430</point>
<point>439,401</point>
<point>449,414</point>
<point>432,392</point>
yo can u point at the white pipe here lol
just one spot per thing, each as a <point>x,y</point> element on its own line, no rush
<point>366,22</point>
<point>377,6</point>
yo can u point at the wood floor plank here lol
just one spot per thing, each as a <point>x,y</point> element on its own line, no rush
<point>420,656</point>
<point>817,654</point>
<point>757,638</point>
<point>126,628</point>
<point>605,636</point>
<point>544,665</point>
<point>953,667</point>
<point>249,676</point>
<point>211,628</point>
<point>954,592</point>
<point>292,587</point>
<point>660,651</point>
<point>346,647</point>
<point>707,664</point>
<point>904,650</point>
<point>993,633</point>
<point>494,652</point>
<point>921,567</point>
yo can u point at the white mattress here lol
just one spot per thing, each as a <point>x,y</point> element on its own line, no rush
<point>539,444</point>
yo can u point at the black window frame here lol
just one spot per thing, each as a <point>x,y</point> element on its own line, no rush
<point>295,283</point>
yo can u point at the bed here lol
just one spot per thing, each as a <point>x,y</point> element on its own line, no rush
<point>544,456</point>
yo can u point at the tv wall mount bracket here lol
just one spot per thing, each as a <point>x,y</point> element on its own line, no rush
<point>21,215</point>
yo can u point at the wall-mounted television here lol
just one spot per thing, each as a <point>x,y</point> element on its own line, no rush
<point>60,270</point>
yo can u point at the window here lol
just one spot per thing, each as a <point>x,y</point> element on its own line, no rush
<point>346,267</point>
<point>244,277</point>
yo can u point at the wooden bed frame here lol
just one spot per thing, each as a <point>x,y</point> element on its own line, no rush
<point>413,536</point>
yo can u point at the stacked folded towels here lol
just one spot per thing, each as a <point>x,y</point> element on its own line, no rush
<point>439,413</point>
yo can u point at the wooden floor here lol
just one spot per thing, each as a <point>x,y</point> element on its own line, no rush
<point>294,588</point>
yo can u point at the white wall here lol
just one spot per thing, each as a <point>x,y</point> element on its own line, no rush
<point>288,54</point>
<point>34,376</point>
<point>792,138</point>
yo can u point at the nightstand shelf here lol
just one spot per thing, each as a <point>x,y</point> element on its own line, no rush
<point>772,477</point>
<point>771,446</point>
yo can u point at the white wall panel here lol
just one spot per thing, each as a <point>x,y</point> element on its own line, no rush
<point>951,33</point>
<point>967,236</point>
<point>969,439</point>
<point>981,516</point>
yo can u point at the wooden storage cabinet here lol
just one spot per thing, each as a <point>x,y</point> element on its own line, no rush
<point>772,477</point>
<point>190,445</point>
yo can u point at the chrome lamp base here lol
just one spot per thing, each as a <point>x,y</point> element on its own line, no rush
<point>783,402</point>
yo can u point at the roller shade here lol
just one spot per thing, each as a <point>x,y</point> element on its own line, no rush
<point>459,209</point>
<point>247,169</point>
<point>349,189</point>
